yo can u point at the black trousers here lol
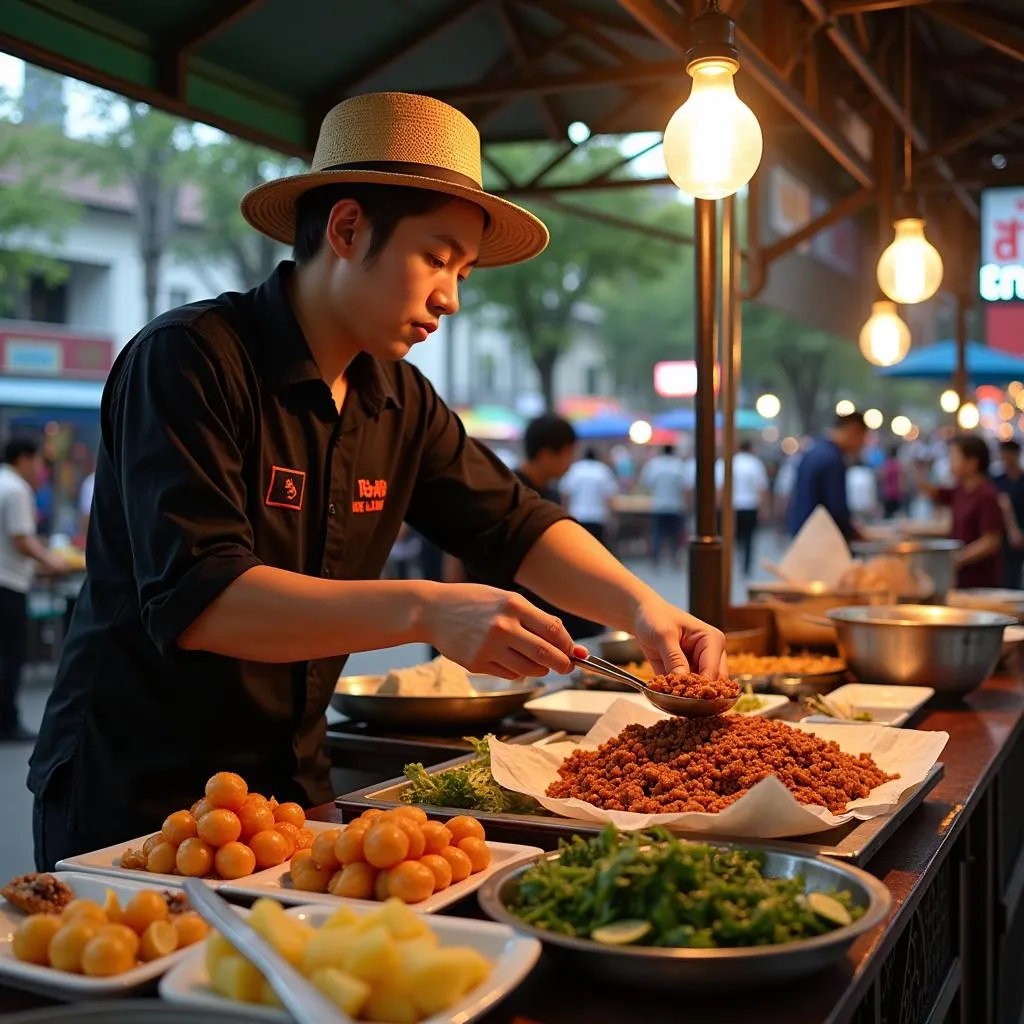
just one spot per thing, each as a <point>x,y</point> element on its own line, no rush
<point>746,527</point>
<point>13,651</point>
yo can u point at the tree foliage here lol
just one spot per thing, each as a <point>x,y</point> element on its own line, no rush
<point>228,168</point>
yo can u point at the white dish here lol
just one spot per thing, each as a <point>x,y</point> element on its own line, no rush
<point>576,711</point>
<point>108,862</point>
<point>1013,634</point>
<point>513,957</point>
<point>894,698</point>
<point>879,716</point>
<point>772,704</point>
<point>54,984</point>
<point>276,883</point>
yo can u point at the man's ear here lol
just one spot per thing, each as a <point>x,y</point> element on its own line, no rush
<point>343,227</point>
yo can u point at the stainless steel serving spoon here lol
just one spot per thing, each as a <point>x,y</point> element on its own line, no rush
<point>684,707</point>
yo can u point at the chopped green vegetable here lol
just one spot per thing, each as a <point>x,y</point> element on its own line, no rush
<point>748,702</point>
<point>470,786</point>
<point>686,894</point>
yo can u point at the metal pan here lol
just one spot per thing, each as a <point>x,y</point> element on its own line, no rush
<point>706,969</point>
<point>356,697</point>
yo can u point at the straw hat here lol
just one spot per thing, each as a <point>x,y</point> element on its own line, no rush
<point>398,138</point>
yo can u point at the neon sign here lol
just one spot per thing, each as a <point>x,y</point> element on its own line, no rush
<point>1001,277</point>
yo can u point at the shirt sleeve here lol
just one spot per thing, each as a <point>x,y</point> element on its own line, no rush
<point>177,425</point>
<point>834,495</point>
<point>468,502</point>
<point>21,514</point>
<point>990,516</point>
<point>944,495</point>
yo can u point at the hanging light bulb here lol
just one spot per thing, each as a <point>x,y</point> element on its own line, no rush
<point>884,338</point>
<point>910,269</point>
<point>968,416</point>
<point>949,400</point>
<point>713,142</point>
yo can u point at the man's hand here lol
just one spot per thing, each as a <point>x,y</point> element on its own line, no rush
<point>492,631</point>
<point>55,565</point>
<point>674,641</point>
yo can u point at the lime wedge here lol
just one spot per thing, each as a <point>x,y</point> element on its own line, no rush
<point>621,933</point>
<point>829,908</point>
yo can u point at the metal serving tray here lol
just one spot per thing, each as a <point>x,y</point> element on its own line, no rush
<point>856,842</point>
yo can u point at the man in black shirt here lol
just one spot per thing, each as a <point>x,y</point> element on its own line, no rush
<point>1010,484</point>
<point>259,453</point>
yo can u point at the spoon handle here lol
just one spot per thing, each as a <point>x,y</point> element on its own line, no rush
<point>606,668</point>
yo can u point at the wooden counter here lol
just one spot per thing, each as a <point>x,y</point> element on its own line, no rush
<point>952,949</point>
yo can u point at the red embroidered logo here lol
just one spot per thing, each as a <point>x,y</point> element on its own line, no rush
<point>287,488</point>
<point>371,495</point>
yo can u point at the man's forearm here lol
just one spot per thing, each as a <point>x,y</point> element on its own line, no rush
<point>32,547</point>
<point>572,570</point>
<point>271,615</point>
<point>983,547</point>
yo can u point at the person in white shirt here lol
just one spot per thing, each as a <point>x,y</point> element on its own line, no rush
<point>667,480</point>
<point>586,488</point>
<point>862,491</point>
<point>20,552</point>
<point>85,502</point>
<point>749,491</point>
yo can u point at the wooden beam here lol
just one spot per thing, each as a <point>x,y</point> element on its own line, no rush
<point>584,26</point>
<point>610,220</point>
<point>591,78</point>
<point>973,132</point>
<point>840,7</point>
<point>845,207</point>
<point>755,64</point>
<point>175,52</point>
<point>526,67</point>
<point>981,25</point>
<point>590,186</point>
<point>410,43</point>
<point>878,88</point>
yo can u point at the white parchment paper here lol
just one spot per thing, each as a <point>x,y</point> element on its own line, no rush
<point>767,811</point>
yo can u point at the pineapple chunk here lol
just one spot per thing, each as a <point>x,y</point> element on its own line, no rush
<point>440,979</point>
<point>217,947</point>
<point>478,967</point>
<point>373,957</point>
<point>237,979</point>
<point>347,993</point>
<point>328,948</point>
<point>343,917</point>
<point>367,922</point>
<point>402,922</point>
<point>390,1006</point>
<point>265,917</point>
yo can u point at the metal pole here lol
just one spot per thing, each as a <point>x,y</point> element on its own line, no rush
<point>961,383</point>
<point>730,384</point>
<point>706,546</point>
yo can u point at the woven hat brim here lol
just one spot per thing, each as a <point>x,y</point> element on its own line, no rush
<point>513,234</point>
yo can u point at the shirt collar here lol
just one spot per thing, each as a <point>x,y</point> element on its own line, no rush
<point>289,360</point>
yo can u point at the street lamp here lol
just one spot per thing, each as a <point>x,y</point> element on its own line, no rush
<point>968,416</point>
<point>844,407</point>
<point>712,143</point>
<point>910,269</point>
<point>901,426</point>
<point>884,338</point>
<point>768,406</point>
<point>949,401</point>
<point>873,419</point>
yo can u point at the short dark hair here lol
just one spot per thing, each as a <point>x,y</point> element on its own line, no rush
<point>894,451</point>
<point>384,206</point>
<point>548,433</point>
<point>746,445</point>
<point>668,449</point>
<point>591,453</point>
<point>848,419</point>
<point>18,447</point>
<point>1010,446</point>
<point>973,447</point>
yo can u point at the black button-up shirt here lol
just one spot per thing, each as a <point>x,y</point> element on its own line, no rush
<point>221,450</point>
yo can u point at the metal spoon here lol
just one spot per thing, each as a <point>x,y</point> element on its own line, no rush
<point>684,707</point>
<point>306,1004</point>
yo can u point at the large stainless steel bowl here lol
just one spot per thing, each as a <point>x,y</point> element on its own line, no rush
<point>357,697</point>
<point>619,647</point>
<point>935,557</point>
<point>648,966</point>
<point>952,650</point>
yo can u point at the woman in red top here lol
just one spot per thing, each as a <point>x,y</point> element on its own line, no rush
<point>892,483</point>
<point>977,517</point>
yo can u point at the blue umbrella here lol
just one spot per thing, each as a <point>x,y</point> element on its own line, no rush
<point>605,427</point>
<point>938,362</point>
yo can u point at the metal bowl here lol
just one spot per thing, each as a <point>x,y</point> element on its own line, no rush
<point>710,968</point>
<point>619,647</point>
<point>935,557</point>
<point>356,697</point>
<point>796,686</point>
<point>952,650</point>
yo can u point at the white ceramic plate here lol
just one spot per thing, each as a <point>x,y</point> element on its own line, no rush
<point>771,705</point>
<point>879,716</point>
<point>513,957</point>
<point>576,711</point>
<point>108,862</point>
<point>276,883</point>
<point>896,698</point>
<point>54,984</point>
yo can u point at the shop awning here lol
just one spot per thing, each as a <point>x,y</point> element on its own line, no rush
<point>29,393</point>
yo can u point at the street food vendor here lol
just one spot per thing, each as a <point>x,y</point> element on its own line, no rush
<point>259,454</point>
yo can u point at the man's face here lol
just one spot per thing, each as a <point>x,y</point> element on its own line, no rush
<point>1011,461</point>
<point>398,300</point>
<point>852,438</point>
<point>32,469</point>
<point>556,463</point>
<point>958,465</point>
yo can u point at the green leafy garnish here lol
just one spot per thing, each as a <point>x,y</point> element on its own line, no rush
<point>690,894</point>
<point>470,786</point>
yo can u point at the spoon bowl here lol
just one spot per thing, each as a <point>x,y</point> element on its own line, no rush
<point>682,707</point>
